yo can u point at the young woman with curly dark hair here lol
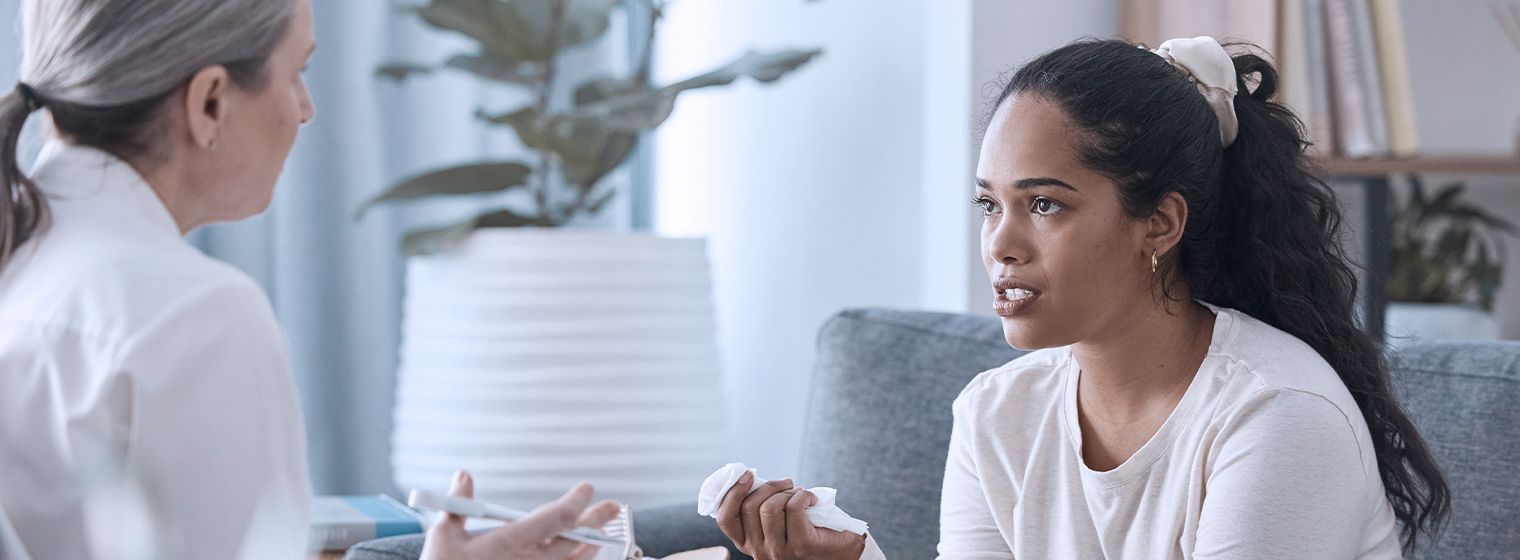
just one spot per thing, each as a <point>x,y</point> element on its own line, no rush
<point>1201,388</point>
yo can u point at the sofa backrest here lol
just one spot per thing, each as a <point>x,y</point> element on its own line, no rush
<point>879,417</point>
<point>878,424</point>
<point>1465,398</point>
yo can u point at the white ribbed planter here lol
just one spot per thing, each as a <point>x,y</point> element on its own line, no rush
<point>536,358</point>
<point>1405,321</point>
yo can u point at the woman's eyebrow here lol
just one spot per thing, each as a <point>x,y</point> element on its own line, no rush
<point>1022,184</point>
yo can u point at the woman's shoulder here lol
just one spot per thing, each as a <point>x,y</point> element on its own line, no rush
<point>115,288</point>
<point>1026,377</point>
<point>1264,370</point>
<point>1273,359</point>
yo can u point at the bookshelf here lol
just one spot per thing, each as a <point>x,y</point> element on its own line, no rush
<point>1373,175</point>
<point>1343,67</point>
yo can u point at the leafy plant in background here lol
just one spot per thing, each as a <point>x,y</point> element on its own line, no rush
<point>520,45</point>
<point>1445,250</point>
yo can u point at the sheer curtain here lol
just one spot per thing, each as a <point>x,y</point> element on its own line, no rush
<point>336,283</point>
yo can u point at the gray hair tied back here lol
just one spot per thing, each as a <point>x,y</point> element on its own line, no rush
<point>33,102</point>
<point>103,68</point>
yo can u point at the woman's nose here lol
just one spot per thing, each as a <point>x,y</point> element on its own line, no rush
<point>1003,241</point>
<point>308,111</point>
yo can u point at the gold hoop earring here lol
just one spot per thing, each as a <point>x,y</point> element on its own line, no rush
<point>1153,261</point>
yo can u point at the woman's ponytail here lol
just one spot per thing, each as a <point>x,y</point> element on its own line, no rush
<point>1263,230</point>
<point>1282,263</point>
<point>24,209</point>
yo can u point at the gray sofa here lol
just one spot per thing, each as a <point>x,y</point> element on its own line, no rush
<point>890,377</point>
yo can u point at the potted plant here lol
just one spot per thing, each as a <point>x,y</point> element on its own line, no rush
<point>537,355</point>
<point>1446,266</point>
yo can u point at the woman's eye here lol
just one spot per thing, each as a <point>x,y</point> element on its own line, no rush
<point>1045,206</point>
<point>985,204</point>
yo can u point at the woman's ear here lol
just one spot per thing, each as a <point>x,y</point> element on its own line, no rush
<point>206,104</point>
<point>1166,223</point>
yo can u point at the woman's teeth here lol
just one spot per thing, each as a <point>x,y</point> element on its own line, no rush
<point>1016,294</point>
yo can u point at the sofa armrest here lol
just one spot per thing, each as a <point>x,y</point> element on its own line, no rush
<point>400,547</point>
<point>661,531</point>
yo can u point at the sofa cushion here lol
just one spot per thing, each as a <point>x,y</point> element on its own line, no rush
<point>1465,399</point>
<point>879,415</point>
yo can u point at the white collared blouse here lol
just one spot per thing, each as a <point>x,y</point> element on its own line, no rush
<point>146,405</point>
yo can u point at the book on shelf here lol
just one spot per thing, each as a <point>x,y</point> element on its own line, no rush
<point>1321,122</point>
<point>1342,64</point>
<point>338,522</point>
<point>1293,82</point>
<point>1398,94</point>
<point>1356,100</point>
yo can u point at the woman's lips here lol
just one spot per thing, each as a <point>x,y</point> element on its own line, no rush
<point>1011,301</point>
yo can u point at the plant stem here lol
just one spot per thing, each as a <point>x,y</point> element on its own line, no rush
<point>641,76</point>
<point>541,102</point>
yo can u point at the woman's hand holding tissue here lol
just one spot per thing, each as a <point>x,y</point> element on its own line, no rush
<point>535,537</point>
<point>772,524</point>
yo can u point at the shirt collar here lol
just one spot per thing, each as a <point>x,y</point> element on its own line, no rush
<point>67,171</point>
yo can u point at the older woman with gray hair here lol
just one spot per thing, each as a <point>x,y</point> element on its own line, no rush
<point>146,407</point>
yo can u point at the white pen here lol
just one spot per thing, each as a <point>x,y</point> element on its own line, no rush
<point>471,508</point>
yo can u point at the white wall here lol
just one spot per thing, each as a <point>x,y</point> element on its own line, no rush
<point>807,189</point>
<point>833,188</point>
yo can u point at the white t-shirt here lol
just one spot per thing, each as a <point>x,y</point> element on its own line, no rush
<point>1265,456</point>
<point>146,406</point>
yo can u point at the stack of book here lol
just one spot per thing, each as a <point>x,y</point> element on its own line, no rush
<point>1342,65</point>
<point>338,522</point>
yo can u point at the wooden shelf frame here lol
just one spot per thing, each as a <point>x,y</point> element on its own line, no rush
<point>1419,165</point>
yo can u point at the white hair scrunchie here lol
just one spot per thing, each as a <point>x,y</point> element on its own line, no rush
<point>1207,65</point>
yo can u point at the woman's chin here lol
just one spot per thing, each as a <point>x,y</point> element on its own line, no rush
<point>1022,334</point>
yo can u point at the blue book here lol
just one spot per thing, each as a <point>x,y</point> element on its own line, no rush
<point>338,522</point>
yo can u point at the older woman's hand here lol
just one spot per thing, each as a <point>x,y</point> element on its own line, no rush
<point>771,524</point>
<point>532,538</point>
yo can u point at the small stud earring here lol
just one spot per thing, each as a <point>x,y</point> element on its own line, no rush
<point>1153,261</point>
<point>212,145</point>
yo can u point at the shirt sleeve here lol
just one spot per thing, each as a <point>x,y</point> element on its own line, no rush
<point>217,442</point>
<point>1288,481</point>
<point>967,529</point>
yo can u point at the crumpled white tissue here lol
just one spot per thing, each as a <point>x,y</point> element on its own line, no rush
<point>823,514</point>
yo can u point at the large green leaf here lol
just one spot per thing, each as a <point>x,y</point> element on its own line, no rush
<point>429,241</point>
<point>464,179</point>
<point>598,136</point>
<point>628,108</point>
<point>521,29</point>
<point>602,129</point>
<point>597,90</point>
<point>587,150</point>
<point>496,67</point>
<point>493,23</point>
<point>402,70</point>
<point>765,67</point>
<point>582,22</point>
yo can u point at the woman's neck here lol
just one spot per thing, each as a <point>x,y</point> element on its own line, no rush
<point>1133,378</point>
